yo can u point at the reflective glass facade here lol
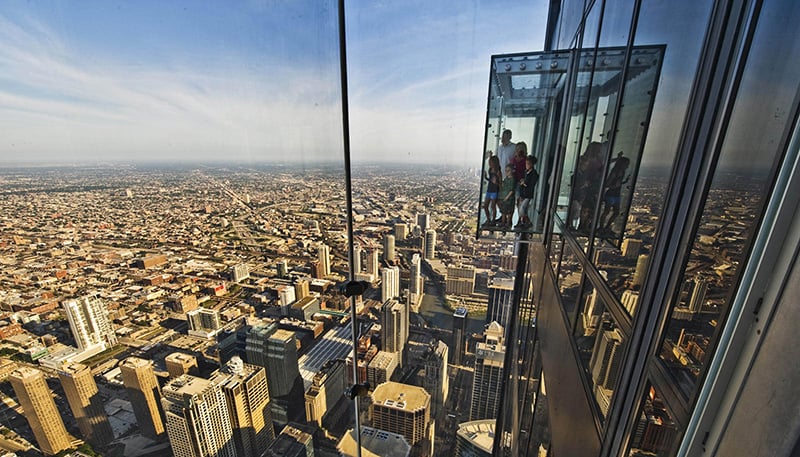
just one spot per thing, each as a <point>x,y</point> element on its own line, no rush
<point>668,178</point>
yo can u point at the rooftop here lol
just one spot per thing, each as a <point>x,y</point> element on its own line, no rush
<point>401,396</point>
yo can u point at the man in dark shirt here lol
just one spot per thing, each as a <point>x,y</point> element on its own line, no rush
<point>527,187</point>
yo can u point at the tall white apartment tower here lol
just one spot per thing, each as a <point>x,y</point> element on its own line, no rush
<point>390,283</point>
<point>388,248</point>
<point>198,422</point>
<point>356,259</point>
<point>324,253</point>
<point>430,244</point>
<point>415,283</point>
<point>89,322</point>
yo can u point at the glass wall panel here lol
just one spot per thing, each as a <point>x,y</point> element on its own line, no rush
<point>680,26</point>
<point>524,101</point>
<point>655,434</point>
<point>601,346</point>
<point>178,168</point>
<point>616,23</point>
<point>569,21</point>
<point>738,191</point>
<point>570,275</point>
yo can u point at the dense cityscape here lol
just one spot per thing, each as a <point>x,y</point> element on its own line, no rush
<point>136,276</point>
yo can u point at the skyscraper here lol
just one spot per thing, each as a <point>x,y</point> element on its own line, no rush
<point>604,365</point>
<point>436,380</point>
<point>324,254</point>
<point>388,248</point>
<point>487,382</point>
<point>247,395</point>
<point>293,441</point>
<point>424,221</point>
<point>430,244</point>
<point>415,281</point>
<point>475,438</point>
<point>276,350</point>
<point>198,422</point>
<point>501,294</point>
<point>372,262</point>
<point>89,322</point>
<point>394,327</point>
<point>357,259</point>
<point>40,410</point>
<point>402,409</point>
<point>459,333</point>
<point>401,231</point>
<point>85,402</point>
<point>390,283</point>
<point>140,381</point>
<point>301,289</point>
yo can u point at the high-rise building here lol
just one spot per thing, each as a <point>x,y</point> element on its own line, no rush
<point>698,296</point>
<point>144,393</point>
<point>198,422</point>
<point>475,438</point>
<point>294,440</point>
<point>282,268</point>
<point>276,350</point>
<point>394,327</point>
<point>372,262</point>
<point>604,365</point>
<point>179,364</point>
<point>326,390</point>
<point>423,221</point>
<point>401,231</point>
<point>631,247</point>
<point>324,256</point>
<point>487,381</point>
<point>301,289</point>
<point>374,443</point>
<point>85,402</point>
<point>430,244</point>
<point>390,283</point>
<point>388,248</point>
<point>382,366</point>
<point>501,295</point>
<point>402,409</point>
<point>641,269</point>
<point>203,322</point>
<point>460,280</point>
<point>459,335</point>
<point>415,282</point>
<point>357,251</point>
<point>40,410</point>
<point>286,295</point>
<point>436,380</point>
<point>90,324</point>
<point>247,395</point>
<point>240,272</point>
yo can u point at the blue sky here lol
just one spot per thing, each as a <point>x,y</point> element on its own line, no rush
<point>250,81</point>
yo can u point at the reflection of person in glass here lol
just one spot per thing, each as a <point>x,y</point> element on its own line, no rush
<point>527,186</point>
<point>494,176</point>
<point>613,194</point>
<point>587,183</point>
